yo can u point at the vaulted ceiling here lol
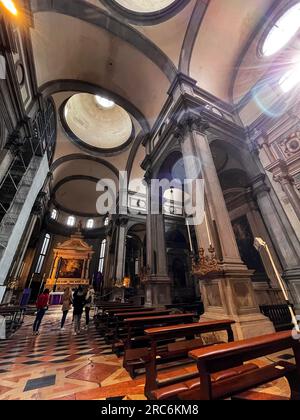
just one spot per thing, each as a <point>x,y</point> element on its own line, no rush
<point>130,52</point>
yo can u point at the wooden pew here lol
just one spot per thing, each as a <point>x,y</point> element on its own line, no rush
<point>178,350</point>
<point>14,316</point>
<point>137,342</point>
<point>280,316</point>
<point>120,329</point>
<point>104,314</point>
<point>219,366</point>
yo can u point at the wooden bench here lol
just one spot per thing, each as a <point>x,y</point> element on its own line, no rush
<point>118,328</point>
<point>280,316</point>
<point>136,344</point>
<point>220,367</point>
<point>196,307</point>
<point>14,317</point>
<point>104,314</point>
<point>159,354</point>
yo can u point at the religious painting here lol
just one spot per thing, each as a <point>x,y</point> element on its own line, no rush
<point>245,241</point>
<point>71,268</point>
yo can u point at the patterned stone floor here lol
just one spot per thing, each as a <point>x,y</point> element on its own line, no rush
<point>58,365</point>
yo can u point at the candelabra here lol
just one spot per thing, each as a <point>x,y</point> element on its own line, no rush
<point>206,264</point>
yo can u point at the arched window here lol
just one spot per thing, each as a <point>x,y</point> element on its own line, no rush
<point>102,255</point>
<point>106,221</point>
<point>43,254</point>
<point>290,79</point>
<point>71,221</point>
<point>54,214</point>
<point>282,31</point>
<point>90,224</point>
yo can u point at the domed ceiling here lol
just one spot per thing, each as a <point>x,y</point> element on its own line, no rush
<point>96,122</point>
<point>145,6</point>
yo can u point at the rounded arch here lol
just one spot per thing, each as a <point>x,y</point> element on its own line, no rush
<point>80,156</point>
<point>72,85</point>
<point>146,18</point>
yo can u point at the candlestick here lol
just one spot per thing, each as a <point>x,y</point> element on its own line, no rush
<point>207,229</point>
<point>258,243</point>
<point>189,234</point>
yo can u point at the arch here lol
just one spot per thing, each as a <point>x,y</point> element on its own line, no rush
<point>81,156</point>
<point>146,18</point>
<point>191,35</point>
<point>70,85</point>
<point>89,13</point>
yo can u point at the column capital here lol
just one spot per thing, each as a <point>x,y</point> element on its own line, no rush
<point>190,122</point>
<point>259,185</point>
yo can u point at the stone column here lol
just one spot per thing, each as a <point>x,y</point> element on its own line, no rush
<point>158,283</point>
<point>283,236</point>
<point>228,293</point>
<point>287,184</point>
<point>121,248</point>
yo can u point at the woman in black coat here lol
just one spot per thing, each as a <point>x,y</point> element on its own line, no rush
<point>78,305</point>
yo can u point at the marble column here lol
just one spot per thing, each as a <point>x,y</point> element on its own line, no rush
<point>158,283</point>
<point>228,293</point>
<point>283,236</point>
<point>121,248</point>
<point>287,184</point>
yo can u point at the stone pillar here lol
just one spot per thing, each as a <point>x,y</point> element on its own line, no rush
<point>283,236</point>
<point>158,283</point>
<point>287,184</point>
<point>121,248</point>
<point>228,293</point>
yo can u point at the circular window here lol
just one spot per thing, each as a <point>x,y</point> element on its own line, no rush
<point>146,12</point>
<point>96,123</point>
<point>145,6</point>
<point>282,31</point>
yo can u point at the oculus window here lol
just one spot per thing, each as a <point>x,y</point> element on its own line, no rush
<point>282,31</point>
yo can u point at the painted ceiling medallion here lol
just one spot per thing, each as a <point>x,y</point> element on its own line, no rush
<point>97,123</point>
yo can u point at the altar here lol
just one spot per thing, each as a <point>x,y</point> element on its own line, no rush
<point>71,264</point>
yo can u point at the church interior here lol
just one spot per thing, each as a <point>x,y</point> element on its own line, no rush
<point>149,200</point>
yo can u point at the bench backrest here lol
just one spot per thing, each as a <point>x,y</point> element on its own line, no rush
<point>213,359</point>
<point>124,315</point>
<point>179,331</point>
<point>147,322</point>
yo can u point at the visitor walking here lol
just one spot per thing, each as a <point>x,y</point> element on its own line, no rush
<point>66,305</point>
<point>78,304</point>
<point>89,302</point>
<point>42,306</point>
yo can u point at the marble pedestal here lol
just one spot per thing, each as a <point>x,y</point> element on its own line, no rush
<point>157,291</point>
<point>230,295</point>
<point>292,279</point>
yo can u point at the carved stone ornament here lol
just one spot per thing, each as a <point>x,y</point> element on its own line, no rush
<point>190,122</point>
<point>291,145</point>
<point>206,264</point>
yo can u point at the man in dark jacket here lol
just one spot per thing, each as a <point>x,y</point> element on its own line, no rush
<point>42,306</point>
<point>78,304</point>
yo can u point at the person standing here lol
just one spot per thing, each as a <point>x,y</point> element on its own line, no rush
<point>66,305</point>
<point>42,306</point>
<point>78,305</point>
<point>89,302</point>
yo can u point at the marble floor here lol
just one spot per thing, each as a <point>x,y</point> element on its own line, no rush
<point>60,366</point>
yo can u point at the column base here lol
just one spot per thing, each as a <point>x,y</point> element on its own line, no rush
<point>157,291</point>
<point>247,326</point>
<point>231,296</point>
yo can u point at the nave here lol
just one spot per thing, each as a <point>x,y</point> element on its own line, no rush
<point>60,366</point>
